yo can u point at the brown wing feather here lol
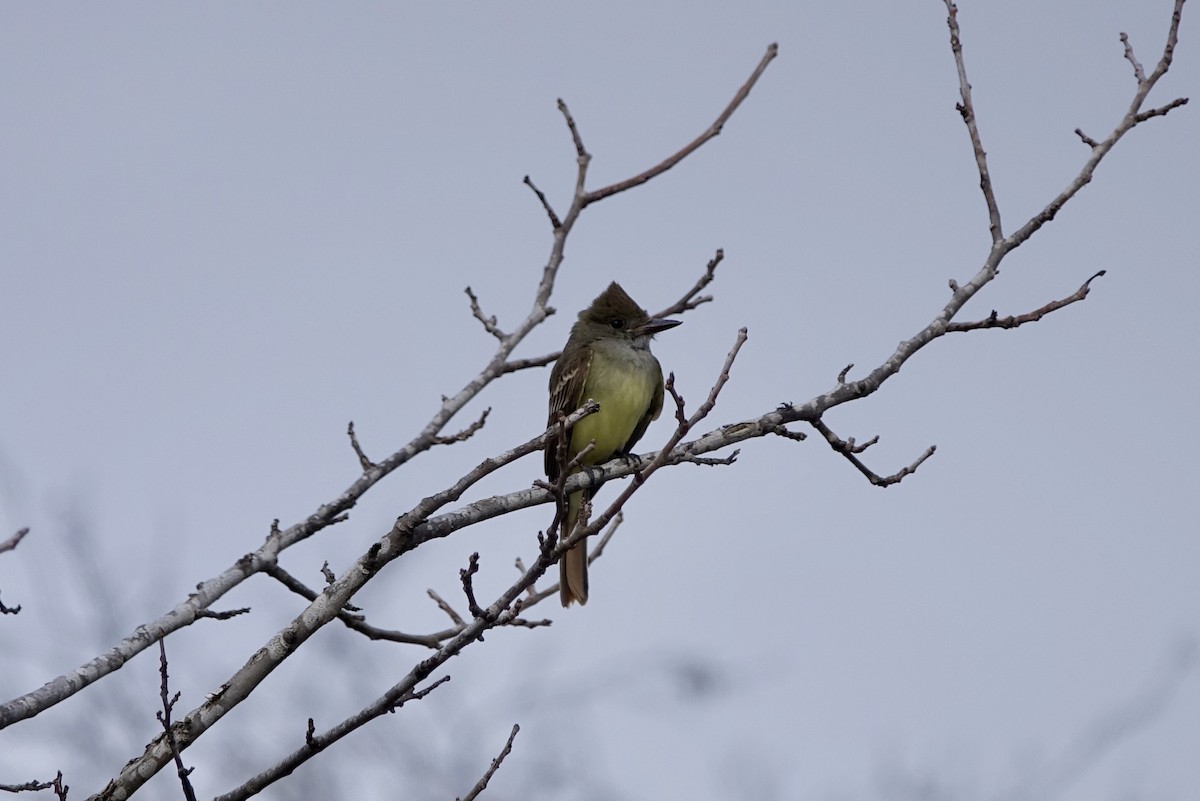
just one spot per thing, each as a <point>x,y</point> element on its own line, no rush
<point>566,395</point>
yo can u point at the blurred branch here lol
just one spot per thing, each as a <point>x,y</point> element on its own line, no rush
<point>8,545</point>
<point>1115,727</point>
<point>12,542</point>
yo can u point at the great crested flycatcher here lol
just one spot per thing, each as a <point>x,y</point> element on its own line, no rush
<point>607,359</point>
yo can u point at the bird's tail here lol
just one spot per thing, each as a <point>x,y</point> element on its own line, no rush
<point>572,568</point>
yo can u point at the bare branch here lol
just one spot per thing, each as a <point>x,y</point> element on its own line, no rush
<point>447,608</point>
<point>357,622</point>
<point>1087,140</point>
<point>555,223</point>
<point>419,525</point>
<point>209,614</point>
<point>489,323</point>
<point>366,464</point>
<point>164,717</point>
<point>787,433</point>
<point>503,612</point>
<point>1161,111</point>
<point>468,589</point>
<point>582,160</point>
<point>993,320</point>
<point>713,131</point>
<point>580,150</point>
<point>295,585</point>
<point>967,109</point>
<point>850,450</point>
<point>316,743</point>
<point>467,432</point>
<point>690,300</point>
<point>1132,118</point>
<point>324,608</point>
<point>491,771</point>
<point>35,786</point>
<point>582,198</point>
<point>598,550</point>
<point>714,462</point>
<point>846,391</point>
<point>1138,72</point>
<point>524,364</point>
<point>209,591</point>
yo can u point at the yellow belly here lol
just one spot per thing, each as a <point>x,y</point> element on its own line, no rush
<point>624,394</point>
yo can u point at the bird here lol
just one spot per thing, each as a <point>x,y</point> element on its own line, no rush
<point>607,359</point>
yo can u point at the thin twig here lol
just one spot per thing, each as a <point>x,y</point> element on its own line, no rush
<point>209,614</point>
<point>1087,140</point>
<point>993,320</point>
<point>967,109</point>
<point>1161,111</point>
<point>514,365</point>
<point>467,432</point>
<point>555,223</point>
<point>164,717</point>
<point>314,744</point>
<point>712,131</point>
<point>850,450</point>
<point>465,575</point>
<point>357,622</point>
<point>447,608</point>
<point>1133,117</point>
<point>690,300</point>
<point>491,771</point>
<point>489,323</point>
<point>1138,72</point>
<point>366,464</point>
<point>35,786</point>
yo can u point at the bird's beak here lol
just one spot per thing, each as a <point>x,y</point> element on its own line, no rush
<point>655,325</point>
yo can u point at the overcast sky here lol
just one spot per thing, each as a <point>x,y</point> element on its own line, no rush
<point>230,229</point>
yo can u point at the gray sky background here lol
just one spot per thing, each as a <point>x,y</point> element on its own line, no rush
<point>228,230</point>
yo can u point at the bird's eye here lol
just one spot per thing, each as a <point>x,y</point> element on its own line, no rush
<point>617,323</point>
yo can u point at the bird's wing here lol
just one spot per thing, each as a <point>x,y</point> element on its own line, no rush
<point>566,395</point>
